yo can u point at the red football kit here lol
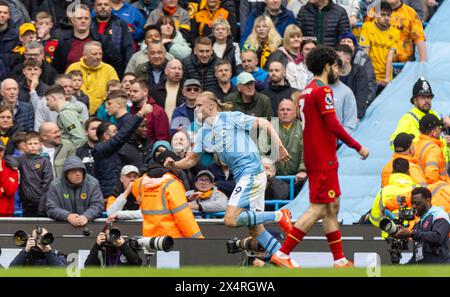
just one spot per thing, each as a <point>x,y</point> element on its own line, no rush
<point>321,129</point>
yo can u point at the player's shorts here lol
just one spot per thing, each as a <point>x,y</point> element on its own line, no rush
<point>323,186</point>
<point>249,192</point>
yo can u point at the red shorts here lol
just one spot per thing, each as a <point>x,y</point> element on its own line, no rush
<point>323,186</point>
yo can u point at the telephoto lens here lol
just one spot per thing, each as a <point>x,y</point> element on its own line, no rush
<point>20,238</point>
<point>161,243</point>
<point>46,239</point>
<point>388,226</point>
<point>250,244</point>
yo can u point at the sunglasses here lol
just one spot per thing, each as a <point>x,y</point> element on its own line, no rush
<point>194,89</point>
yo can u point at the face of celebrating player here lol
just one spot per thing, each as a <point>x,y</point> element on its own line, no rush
<point>204,108</point>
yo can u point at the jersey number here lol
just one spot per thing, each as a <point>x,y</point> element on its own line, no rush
<point>301,104</point>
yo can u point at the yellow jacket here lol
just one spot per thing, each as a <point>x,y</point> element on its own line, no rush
<point>415,171</point>
<point>428,151</point>
<point>164,207</point>
<point>399,184</point>
<point>94,81</point>
<point>409,123</point>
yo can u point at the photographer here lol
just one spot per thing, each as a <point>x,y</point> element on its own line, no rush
<point>430,234</point>
<point>35,254</point>
<point>112,252</point>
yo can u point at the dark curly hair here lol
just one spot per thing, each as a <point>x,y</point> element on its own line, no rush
<point>319,57</point>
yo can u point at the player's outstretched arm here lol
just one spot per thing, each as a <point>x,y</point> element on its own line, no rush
<point>267,126</point>
<point>187,162</point>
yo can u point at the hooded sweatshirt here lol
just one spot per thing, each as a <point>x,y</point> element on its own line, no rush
<point>158,144</point>
<point>70,121</point>
<point>64,198</point>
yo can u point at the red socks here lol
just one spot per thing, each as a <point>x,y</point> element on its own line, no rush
<point>292,239</point>
<point>335,243</point>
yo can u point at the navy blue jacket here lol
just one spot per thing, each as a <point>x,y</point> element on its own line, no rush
<point>106,157</point>
<point>24,116</point>
<point>9,41</point>
<point>52,258</point>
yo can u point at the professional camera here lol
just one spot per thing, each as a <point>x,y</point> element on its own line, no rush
<point>112,235</point>
<point>21,238</point>
<point>160,243</point>
<point>237,245</point>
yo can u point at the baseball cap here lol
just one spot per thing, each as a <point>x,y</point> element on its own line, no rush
<point>421,88</point>
<point>402,142</point>
<point>429,122</point>
<point>26,27</point>
<point>192,82</point>
<point>205,172</point>
<point>244,78</point>
<point>128,169</point>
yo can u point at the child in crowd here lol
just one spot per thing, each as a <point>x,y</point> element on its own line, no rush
<point>35,177</point>
<point>102,113</point>
<point>44,27</point>
<point>77,82</point>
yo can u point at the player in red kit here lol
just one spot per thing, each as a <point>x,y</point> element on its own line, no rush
<point>321,130</point>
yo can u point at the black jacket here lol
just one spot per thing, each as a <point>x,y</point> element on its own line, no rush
<point>137,154</point>
<point>217,90</point>
<point>358,81</point>
<point>9,41</point>
<point>10,145</point>
<point>159,93</point>
<point>230,55</point>
<point>432,234</point>
<point>277,93</point>
<point>335,22</point>
<point>106,156</point>
<point>85,154</point>
<point>48,73</point>
<point>111,256</point>
<point>225,185</point>
<point>111,56</point>
<point>24,91</point>
<point>276,189</point>
<point>204,73</point>
<point>58,10</point>
<point>52,258</point>
<point>118,33</point>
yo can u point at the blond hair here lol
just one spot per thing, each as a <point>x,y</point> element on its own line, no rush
<point>221,106</point>
<point>273,37</point>
<point>290,31</point>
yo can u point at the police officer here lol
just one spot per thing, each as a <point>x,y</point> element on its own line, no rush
<point>430,234</point>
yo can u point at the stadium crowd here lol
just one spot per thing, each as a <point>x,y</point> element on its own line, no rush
<point>95,95</point>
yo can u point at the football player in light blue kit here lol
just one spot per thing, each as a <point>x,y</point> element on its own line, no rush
<point>227,133</point>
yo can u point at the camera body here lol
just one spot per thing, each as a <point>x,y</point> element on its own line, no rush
<point>112,235</point>
<point>21,239</point>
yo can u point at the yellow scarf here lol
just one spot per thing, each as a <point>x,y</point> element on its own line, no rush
<point>265,53</point>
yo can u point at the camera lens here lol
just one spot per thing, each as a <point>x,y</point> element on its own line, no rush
<point>20,238</point>
<point>114,234</point>
<point>46,239</point>
<point>164,243</point>
<point>388,226</point>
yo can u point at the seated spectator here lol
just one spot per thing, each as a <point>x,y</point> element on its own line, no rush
<point>7,129</point>
<point>112,254</point>
<point>75,197</point>
<point>224,178</point>
<point>128,77</point>
<point>31,80</point>
<point>172,9</point>
<point>345,106</point>
<point>224,47</point>
<point>157,120</point>
<point>10,34</point>
<point>181,143</point>
<point>275,189</point>
<point>114,28</point>
<point>158,148</point>
<point>297,73</point>
<point>23,111</point>
<point>102,112</point>
<point>132,16</point>
<point>250,64</point>
<point>152,33</point>
<point>136,151</point>
<point>278,87</point>
<point>247,100</point>
<point>58,10</point>
<point>355,77</point>
<point>69,119</point>
<point>200,64</point>
<point>167,93</point>
<point>112,139</point>
<point>290,51</point>
<point>264,39</point>
<point>77,82</point>
<point>85,151</point>
<point>291,135</point>
<point>95,74</point>
<point>153,70</point>
<point>281,17</point>
<point>223,75</point>
<point>36,174</point>
<point>324,20</point>
<point>183,116</point>
<point>121,199</point>
<point>57,149</point>
<point>360,57</point>
<point>9,183</point>
<point>27,33</point>
<point>173,40</point>
<point>246,7</point>
<point>203,20</point>
<point>380,41</point>
<point>35,254</point>
<point>35,51</point>
<point>206,197</point>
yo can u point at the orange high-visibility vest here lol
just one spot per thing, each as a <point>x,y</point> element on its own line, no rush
<point>428,151</point>
<point>415,171</point>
